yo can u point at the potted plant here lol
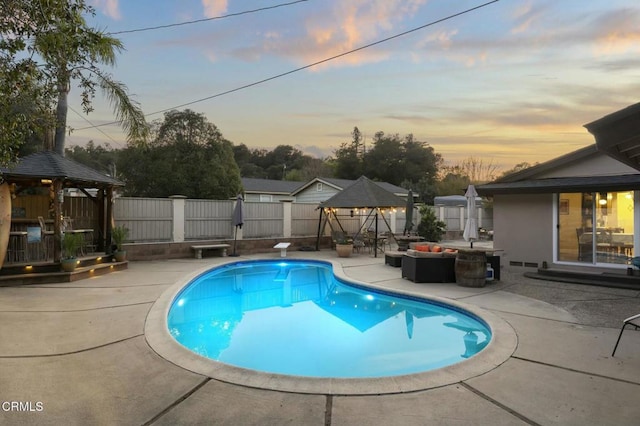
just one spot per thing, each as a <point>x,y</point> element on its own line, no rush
<point>118,235</point>
<point>70,245</point>
<point>344,246</point>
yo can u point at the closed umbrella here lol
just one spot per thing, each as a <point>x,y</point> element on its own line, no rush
<point>471,226</point>
<point>238,221</point>
<point>408,225</point>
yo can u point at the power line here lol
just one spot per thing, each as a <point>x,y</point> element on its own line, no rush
<point>93,126</point>
<point>197,21</point>
<point>366,46</point>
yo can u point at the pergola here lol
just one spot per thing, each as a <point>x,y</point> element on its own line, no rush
<point>48,168</point>
<point>363,194</point>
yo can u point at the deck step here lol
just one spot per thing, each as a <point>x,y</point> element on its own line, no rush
<point>47,273</point>
<point>606,279</point>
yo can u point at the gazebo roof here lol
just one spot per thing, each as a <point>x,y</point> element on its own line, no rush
<point>364,193</point>
<point>51,165</point>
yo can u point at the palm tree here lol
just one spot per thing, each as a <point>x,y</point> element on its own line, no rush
<point>72,51</point>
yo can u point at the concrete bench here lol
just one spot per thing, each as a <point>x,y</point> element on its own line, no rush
<point>283,248</point>
<point>220,247</point>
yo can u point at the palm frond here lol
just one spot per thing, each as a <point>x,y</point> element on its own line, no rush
<point>127,111</point>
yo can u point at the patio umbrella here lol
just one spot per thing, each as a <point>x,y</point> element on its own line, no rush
<point>408,318</point>
<point>471,226</point>
<point>238,220</point>
<point>408,225</point>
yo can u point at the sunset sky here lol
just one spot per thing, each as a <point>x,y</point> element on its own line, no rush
<point>509,82</point>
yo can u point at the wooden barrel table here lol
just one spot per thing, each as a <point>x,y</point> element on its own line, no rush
<point>471,268</point>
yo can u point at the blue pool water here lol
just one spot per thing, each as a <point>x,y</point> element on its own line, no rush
<point>296,318</point>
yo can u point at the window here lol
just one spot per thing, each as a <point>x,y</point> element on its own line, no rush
<point>265,198</point>
<point>319,186</point>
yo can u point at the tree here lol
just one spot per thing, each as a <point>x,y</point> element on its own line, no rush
<point>101,158</point>
<point>348,161</point>
<point>187,156</point>
<point>25,104</point>
<point>403,161</point>
<point>56,32</point>
<point>430,227</point>
<point>517,168</point>
<point>475,169</point>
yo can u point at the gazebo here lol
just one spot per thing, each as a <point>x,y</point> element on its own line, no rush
<point>50,169</point>
<point>363,194</point>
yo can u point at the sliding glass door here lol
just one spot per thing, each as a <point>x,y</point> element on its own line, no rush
<point>609,241</point>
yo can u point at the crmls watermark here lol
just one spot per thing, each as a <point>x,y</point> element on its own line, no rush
<point>33,406</point>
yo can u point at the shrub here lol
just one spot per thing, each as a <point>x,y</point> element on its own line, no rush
<point>430,227</point>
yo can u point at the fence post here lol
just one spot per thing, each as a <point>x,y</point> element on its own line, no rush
<point>178,203</point>
<point>286,218</point>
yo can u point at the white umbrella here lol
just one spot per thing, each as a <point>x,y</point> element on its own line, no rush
<point>471,226</point>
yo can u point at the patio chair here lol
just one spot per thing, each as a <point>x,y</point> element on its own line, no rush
<point>634,321</point>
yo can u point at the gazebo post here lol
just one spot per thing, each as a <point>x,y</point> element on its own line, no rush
<point>109,217</point>
<point>319,226</point>
<point>375,241</point>
<point>58,199</point>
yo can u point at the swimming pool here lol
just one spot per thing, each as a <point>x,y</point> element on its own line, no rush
<point>297,318</point>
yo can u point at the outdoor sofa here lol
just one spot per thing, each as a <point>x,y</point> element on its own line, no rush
<point>436,267</point>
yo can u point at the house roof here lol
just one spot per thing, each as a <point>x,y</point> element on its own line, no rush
<point>270,186</point>
<point>527,181</point>
<point>626,182</point>
<point>341,184</point>
<point>618,134</point>
<point>364,193</point>
<point>51,165</point>
<point>555,163</point>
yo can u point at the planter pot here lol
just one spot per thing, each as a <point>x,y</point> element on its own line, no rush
<point>120,256</point>
<point>344,250</point>
<point>69,265</point>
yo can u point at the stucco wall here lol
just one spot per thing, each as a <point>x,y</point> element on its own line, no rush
<point>523,228</point>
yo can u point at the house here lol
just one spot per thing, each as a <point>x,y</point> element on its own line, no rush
<point>315,191</point>
<point>580,211</point>
<point>267,190</point>
<point>319,189</point>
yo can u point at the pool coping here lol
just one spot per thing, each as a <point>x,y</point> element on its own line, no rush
<point>502,345</point>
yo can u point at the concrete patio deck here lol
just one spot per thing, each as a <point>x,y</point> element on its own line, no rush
<point>76,353</point>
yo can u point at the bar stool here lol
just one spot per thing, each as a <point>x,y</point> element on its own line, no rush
<point>47,238</point>
<point>18,246</point>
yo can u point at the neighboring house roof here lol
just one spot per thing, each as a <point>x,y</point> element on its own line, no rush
<point>51,165</point>
<point>269,186</point>
<point>364,193</point>
<point>341,184</point>
<point>618,134</point>
<point>454,200</point>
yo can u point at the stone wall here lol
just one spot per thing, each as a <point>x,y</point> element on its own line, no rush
<point>168,250</point>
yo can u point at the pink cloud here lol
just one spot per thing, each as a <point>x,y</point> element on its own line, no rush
<point>213,8</point>
<point>108,7</point>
